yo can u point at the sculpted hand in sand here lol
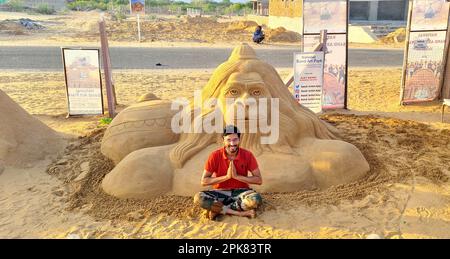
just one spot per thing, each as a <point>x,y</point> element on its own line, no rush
<point>153,160</point>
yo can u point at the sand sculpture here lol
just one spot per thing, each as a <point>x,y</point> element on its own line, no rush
<point>24,140</point>
<point>151,160</point>
<point>2,167</point>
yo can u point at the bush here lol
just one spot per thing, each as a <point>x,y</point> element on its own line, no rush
<point>45,9</point>
<point>87,5</point>
<point>16,5</point>
<point>105,121</point>
<point>118,16</point>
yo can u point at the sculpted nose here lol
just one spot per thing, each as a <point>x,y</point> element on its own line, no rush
<point>243,99</point>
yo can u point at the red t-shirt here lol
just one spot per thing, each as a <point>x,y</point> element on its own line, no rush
<point>218,163</point>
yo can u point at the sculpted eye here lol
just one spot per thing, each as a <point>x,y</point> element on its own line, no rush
<point>233,92</point>
<point>255,92</point>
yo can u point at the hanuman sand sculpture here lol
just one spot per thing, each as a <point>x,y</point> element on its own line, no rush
<point>152,160</point>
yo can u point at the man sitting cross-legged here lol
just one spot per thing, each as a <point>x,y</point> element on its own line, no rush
<point>227,169</point>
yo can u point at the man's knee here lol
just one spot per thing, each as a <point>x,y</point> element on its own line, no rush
<point>202,200</point>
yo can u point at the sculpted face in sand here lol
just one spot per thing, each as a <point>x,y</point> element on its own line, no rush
<point>151,160</point>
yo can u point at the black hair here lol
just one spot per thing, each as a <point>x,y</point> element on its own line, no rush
<point>231,129</point>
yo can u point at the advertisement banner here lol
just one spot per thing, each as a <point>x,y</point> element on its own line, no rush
<point>424,66</point>
<point>335,69</point>
<point>308,79</point>
<point>330,15</point>
<point>137,7</point>
<point>83,81</point>
<point>429,15</point>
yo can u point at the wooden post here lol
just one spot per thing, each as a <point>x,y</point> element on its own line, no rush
<point>110,93</point>
<point>105,46</point>
<point>445,93</point>
<point>405,52</point>
<point>139,27</point>
<point>446,85</point>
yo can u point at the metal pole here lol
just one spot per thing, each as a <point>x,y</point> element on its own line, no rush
<point>139,27</point>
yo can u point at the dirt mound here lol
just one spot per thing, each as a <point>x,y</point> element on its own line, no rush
<point>187,29</point>
<point>248,26</point>
<point>396,150</point>
<point>199,20</point>
<point>83,167</point>
<point>24,140</point>
<point>190,29</point>
<point>396,36</point>
<point>280,34</point>
<point>20,26</point>
<point>12,27</point>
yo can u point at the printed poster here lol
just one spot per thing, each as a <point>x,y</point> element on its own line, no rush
<point>83,81</point>
<point>335,68</point>
<point>424,66</point>
<point>308,79</point>
<point>429,15</point>
<point>137,7</point>
<point>330,15</point>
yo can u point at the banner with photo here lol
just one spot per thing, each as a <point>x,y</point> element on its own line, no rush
<point>429,15</point>
<point>330,15</point>
<point>308,79</point>
<point>335,68</point>
<point>137,7</point>
<point>83,81</point>
<point>424,66</point>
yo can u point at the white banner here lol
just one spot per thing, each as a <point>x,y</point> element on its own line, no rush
<point>424,66</point>
<point>330,15</point>
<point>83,82</point>
<point>334,68</point>
<point>308,79</point>
<point>137,7</point>
<point>429,15</point>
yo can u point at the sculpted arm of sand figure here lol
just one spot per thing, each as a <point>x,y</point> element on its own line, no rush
<point>209,179</point>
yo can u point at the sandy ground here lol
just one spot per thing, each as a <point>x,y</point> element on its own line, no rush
<point>405,195</point>
<point>81,29</point>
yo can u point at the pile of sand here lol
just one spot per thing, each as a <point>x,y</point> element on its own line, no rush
<point>208,21</point>
<point>24,140</point>
<point>12,27</point>
<point>397,151</point>
<point>249,26</point>
<point>188,29</point>
<point>280,34</point>
<point>396,36</point>
<point>20,26</point>
<point>83,26</point>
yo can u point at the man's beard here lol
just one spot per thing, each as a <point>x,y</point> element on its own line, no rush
<point>232,149</point>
